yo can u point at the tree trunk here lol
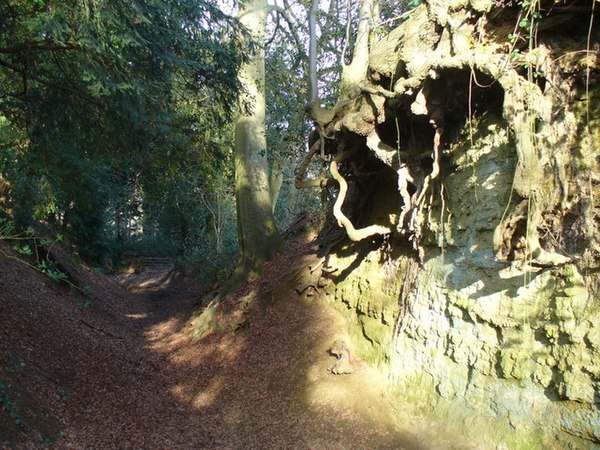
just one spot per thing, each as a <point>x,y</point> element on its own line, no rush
<point>276,181</point>
<point>312,53</point>
<point>356,72</point>
<point>257,233</point>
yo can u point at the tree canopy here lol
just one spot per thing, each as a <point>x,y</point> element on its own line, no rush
<point>116,117</point>
<point>102,102</point>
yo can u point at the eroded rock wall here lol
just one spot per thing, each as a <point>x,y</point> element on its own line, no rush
<point>469,336</point>
<point>484,306</point>
<point>515,344</point>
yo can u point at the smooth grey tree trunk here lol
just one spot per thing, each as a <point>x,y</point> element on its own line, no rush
<point>257,232</point>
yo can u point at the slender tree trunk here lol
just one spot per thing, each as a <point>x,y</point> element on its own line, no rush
<point>257,233</point>
<point>312,53</point>
<point>356,72</point>
<point>276,181</point>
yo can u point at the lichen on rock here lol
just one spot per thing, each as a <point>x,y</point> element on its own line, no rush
<point>482,298</point>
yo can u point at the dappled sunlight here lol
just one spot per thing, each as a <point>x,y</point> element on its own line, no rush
<point>270,384</point>
<point>199,398</point>
<point>137,316</point>
<point>173,338</point>
<point>147,279</point>
<point>164,336</point>
<point>208,396</point>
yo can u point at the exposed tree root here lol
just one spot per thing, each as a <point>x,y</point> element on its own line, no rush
<point>404,178</point>
<point>505,230</point>
<point>343,221</point>
<point>435,171</point>
<point>417,78</point>
<point>415,204</point>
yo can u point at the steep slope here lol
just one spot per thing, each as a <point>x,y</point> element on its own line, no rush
<point>68,367</point>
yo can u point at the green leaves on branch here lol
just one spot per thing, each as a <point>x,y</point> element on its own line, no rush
<point>26,245</point>
<point>96,99</point>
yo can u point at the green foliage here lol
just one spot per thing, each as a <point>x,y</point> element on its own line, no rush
<point>525,30</point>
<point>114,122</point>
<point>97,98</point>
<point>82,304</point>
<point>27,245</point>
<point>23,250</point>
<point>49,269</point>
<point>211,247</point>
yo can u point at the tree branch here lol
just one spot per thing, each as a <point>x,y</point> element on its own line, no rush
<point>50,83</point>
<point>41,46</point>
<point>22,72</point>
<point>283,13</point>
<point>300,182</point>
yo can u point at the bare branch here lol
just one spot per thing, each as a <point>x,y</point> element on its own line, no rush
<point>284,14</point>
<point>300,182</point>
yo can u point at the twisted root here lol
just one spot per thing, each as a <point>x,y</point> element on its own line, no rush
<point>343,221</point>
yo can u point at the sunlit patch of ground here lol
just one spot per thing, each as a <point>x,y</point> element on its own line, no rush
<point>268,385</point>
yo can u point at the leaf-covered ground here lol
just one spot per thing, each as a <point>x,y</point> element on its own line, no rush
<point>123,372</point>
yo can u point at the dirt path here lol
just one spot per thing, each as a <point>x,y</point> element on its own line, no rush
<point>264,387</point>
<point>125,374</point>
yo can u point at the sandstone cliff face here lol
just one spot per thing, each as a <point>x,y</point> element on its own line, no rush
<point>483,302</point>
